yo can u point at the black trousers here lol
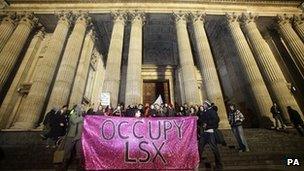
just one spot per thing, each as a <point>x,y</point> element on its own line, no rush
<point>300,128</point>
<point>209,138</point>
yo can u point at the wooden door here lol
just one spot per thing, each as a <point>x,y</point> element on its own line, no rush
<point>153,88</point>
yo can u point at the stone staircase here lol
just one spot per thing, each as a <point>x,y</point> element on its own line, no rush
<point>268,151</point>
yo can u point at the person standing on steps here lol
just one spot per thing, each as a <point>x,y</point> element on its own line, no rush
<point>218,133</point>
<point>208,121</point>
<point>235,120</point>
<point>73,138</point>
<point>46,123</point>
<point>296,119</point>
<point>57,126</point>
<point>277,115</point>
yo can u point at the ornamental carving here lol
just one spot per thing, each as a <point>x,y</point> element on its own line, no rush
<point>119,16</point>
<point>284,19</point>
<point>29,19</point>
<point>298,19</point>
<point>198,16</point>
<point>10,18</point>
<point>232,17</point>
<point>137,17</point>
<point>248,18</point>
<point>64,17</point>
<point>82,17</point>
<point>180,16</point>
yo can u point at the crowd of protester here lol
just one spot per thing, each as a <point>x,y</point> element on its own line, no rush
<point>59,123</point>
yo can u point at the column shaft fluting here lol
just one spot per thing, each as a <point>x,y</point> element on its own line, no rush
<point>258,88</point>
<point>112,73</point>
<point>299,25</point>
<point>82,69</point>
<point>13,47</point>
<point>208,69</point>
<point>6,29</point>
<point>293,41</point>
<point>66,73</point>
<point>31,109</point>
<point>269,67</point>
<point>7,106</point>
<point>134,79</point>
<point>186,61</point>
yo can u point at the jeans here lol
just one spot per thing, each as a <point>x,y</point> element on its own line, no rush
<point>209,138</point>
<point>279,120</point>
<point>240,138</point>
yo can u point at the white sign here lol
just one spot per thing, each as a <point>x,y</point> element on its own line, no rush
<point>105,99</point>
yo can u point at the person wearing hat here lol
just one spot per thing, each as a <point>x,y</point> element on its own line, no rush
<point>208,121</point>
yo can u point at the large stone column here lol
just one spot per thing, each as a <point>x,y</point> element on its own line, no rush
<point>13,47</point>
<point>7,27</point>
<point>82,69</point>
<point>134,80</point>
<point>112,73</point>
<point>186,60</point>
<point>268,66</point>
<point>66,73</point>
<point>31,110</point>
<point>8,104</point>
<point>299,25</point>
<point>258,88</point>
<point>293,41</point>
<point>99,77</point>
<point>208,69</point>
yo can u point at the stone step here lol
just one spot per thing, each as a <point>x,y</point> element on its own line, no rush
<point>26,150</point>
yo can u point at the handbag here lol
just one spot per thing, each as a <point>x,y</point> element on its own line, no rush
<point>59,153</point>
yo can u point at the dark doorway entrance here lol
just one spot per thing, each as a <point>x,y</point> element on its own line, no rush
<point>153,88</point>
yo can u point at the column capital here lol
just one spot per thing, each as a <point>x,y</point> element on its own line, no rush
<point>3,4</point>
<point>28,19</point>
<point>119,16</point>
<point>137,16</point>
<point>9,18</point>
<point>248,18</point>
<point>82,17</point>
<point>232,17</point>
<point>284,19</point>
<point>180,16</point>
<point>64,17</point>
<point>298,19</point>
<point>198,16</point>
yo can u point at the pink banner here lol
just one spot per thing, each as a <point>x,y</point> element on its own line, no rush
<point>140,143</point>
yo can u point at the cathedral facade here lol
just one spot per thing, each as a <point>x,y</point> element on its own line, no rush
<point>56,52</point>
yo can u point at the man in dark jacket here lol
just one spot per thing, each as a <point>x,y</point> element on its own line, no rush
<point>46,123</point>
<point>208,121</point>
<point>277,115</point>
<point>296,119</point>
<point>218,133</point>
<point>58,125</point>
